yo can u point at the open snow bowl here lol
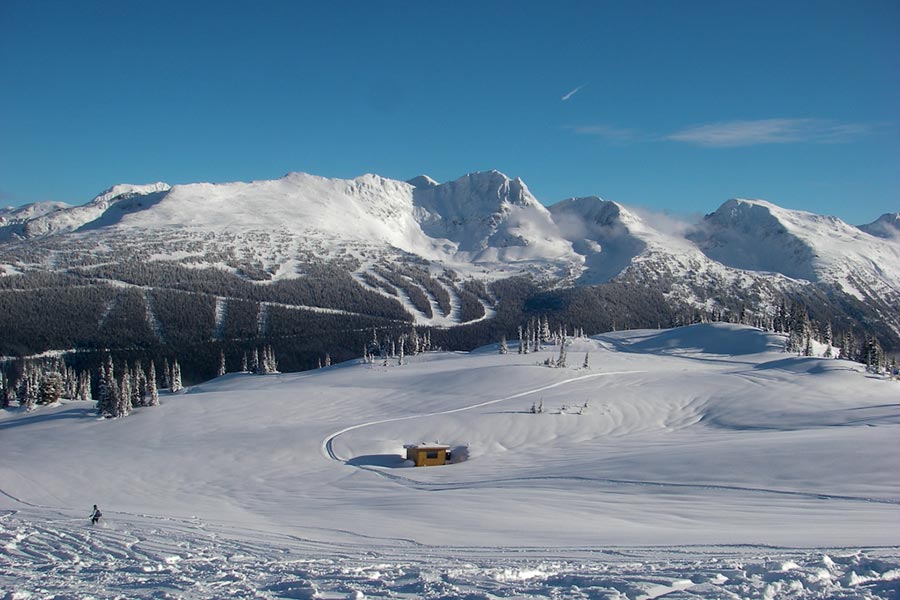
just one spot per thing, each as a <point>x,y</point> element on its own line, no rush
<point>704,454</point>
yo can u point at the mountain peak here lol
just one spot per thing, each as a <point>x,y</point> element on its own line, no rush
<point>886,226</point>
<point>129,189</point>
<point>422,181</point>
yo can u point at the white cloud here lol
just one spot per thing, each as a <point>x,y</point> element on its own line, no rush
<point>667,222</point>
<point>609,132</point>
<point>769,131</point>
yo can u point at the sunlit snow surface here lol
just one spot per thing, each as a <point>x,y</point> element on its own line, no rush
<point>707,464</point>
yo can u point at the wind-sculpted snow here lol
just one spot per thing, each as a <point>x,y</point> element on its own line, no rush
<point>697,462</point>
<point>52,555</point>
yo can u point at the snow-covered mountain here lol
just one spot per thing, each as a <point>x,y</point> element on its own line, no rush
<point>14,219</point>
<point>482,218</point>
<point>105,209</point>
<point>491,218</point>
<point>886,226</point>
<point>484,226</point>
<point>758,236</point>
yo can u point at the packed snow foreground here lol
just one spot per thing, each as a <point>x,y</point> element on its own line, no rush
<point>699,462</point>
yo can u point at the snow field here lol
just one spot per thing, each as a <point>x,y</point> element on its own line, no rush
<point>47,555</point>
<point>706,464</point>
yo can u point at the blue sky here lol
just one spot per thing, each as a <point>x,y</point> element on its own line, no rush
<point>673,106</point>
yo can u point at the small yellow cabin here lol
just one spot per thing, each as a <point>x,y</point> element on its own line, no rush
<point>427,455</point>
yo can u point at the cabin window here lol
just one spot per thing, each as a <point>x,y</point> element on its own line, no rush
<point>431,454</point>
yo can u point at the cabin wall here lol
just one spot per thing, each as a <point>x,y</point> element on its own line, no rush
<point>422,458</point>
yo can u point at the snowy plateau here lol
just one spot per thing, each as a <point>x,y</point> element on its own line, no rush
<point>692,462</point>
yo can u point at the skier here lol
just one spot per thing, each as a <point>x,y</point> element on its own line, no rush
<point>95,516</point>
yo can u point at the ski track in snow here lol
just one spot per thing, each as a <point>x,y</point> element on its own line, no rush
<point>48,554</point>
<point>328,444</point>
<point>54,553</point>
<point>328,450</point>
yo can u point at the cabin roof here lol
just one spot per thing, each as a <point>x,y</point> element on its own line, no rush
<point>424,446</point>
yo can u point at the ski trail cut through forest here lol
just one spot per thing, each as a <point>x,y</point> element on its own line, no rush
<point>328,444</point>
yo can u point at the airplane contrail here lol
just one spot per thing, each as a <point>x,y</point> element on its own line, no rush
<point>573,92</point>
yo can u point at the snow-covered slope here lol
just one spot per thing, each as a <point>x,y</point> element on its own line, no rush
<point>759,236</point>
<point>755,235</point>
<point>605,233</point>
<point>14,219</point>
<point>368,208</point>
<point>484,218</point>
<point>886,226</point>
<point>483,225</point>
<point>104,210</point>
<point>704,442</point>
<point>491,218</point>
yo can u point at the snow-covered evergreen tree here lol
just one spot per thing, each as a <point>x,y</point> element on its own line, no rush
<point>4,396</point>
<point>808,346</point>
<point>873,354</point>
<point>70,383</point>
<point>503,348</point>
<point>846,352</point>
<point>414,345</point>
<point>107,389</point>
<point>28,391</point>
<point>255,366</point>
<point>781,318</point>
<point>263,366</point>
<point>244,364</point>
<point>221,370</point>
<point>123,402</point>
<point>151,386</point>
<point>545,330</point>
<point>561,361</point>
<point>273,360</point>
<point>176,377</point>
<point>586,364</point>
<point>166,374</point>
<point>400,357</point>
<point>521,347</point>
<point>51,387</point>
<point>137,374</point>
<point>83,391</point>
<point>327,359</point>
